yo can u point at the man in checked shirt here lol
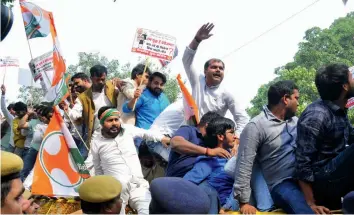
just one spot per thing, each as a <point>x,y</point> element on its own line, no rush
<point>325,149</point>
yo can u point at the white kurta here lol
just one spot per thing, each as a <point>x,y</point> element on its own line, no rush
<point>118,157</point>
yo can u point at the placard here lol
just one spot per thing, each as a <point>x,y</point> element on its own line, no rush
<point>9,62</point>
<point>41,64</point>
<point>154,44</point>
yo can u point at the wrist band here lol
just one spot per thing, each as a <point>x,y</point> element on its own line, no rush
<point>207,152</point>
<point>198,41</point>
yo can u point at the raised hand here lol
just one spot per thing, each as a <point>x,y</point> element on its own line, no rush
<point>3,89</point>
<point>137,93</point>
<point>204,32</point>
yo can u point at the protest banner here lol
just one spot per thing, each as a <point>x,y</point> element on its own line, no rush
<point>154,44</point>
<point>43,63</point>
<point>9,62</point>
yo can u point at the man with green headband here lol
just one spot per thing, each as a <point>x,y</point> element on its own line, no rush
<point>113,153</point>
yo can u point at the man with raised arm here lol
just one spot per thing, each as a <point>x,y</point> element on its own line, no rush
<point>208,90</point>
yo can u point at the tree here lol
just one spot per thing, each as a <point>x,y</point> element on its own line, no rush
<point>320,47</point>
<point>88,60</point>
<point>31,95</point>
<point>303,78</point>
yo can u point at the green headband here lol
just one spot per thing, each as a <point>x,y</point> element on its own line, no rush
<point>108,113</point>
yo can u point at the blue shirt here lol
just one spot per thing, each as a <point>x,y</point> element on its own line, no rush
<point>178,164</point>
<point>323,132</point>
<point>212,170</point>
<point>147,108</point>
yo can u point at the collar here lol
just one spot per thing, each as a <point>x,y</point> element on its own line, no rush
<point>270,116</point>
<point>335,108</point>
<point>211,87</point>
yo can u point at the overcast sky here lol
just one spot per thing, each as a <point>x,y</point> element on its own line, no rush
<point>108,27</point>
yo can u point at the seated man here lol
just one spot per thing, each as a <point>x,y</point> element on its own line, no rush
<point>269,139</point>
<point>113,153</point>
<point>220,133</point>
<point>177,196</point>
<point>101,195</point>
<point>325,149</point>
<point>187,144</point>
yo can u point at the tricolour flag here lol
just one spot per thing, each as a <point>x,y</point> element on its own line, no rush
<point>58,60</point>
<point>59,169</point>
<point>191,109</point>
<point>59,90</point>
<point>35,19</point>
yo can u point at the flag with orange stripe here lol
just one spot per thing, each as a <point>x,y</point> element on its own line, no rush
<point>35,19</point>
<point>59,168</point>
<point>191,108</point>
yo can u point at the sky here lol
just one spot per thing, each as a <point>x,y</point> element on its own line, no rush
<point>109,27</point>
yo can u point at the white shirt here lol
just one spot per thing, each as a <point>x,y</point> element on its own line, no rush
<point>215,98</point>
<point>169,121</point>
<point>9,118</point>
<point>118,157</point>
<point>99,99</point>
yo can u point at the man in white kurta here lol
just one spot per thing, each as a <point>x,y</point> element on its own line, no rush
<point>117,156</point>
<point>208,88</point>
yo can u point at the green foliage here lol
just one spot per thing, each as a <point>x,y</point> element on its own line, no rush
<point>31,95</point>
<point>8,2</point>
<point>320,47</point>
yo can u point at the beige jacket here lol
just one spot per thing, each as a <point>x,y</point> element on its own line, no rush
<point>125,95</point>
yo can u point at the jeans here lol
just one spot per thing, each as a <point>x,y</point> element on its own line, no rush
<point>289,197</point>
<point>213,197</point>
<point>334,180</point>
<point>137,143</point>
<point>154,148</point>
<point>29,162</point>
<point>260,197</point>
<point>10,149</point>
<point>82,148</point>
<point>159,149</point>
<point>21,152</point>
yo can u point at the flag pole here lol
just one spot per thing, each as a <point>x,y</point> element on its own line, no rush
<point>141,81</point>
<point>3,78</point>
<point>77,132</point>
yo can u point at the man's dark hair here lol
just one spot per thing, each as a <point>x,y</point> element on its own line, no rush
<point>20,106</point>
<point>330,79</point>
<point>96,208</point>
<point>279,89</point>
<point>81,76</point>
<point>10,106</point>
<point>217,126</point>
<point>159,75</point>
<point>139,70</point>
<point>98,71</point>
<point>207,64</point>
<point>206,118</point>
<point>45,111</point>
<point>5,190</point>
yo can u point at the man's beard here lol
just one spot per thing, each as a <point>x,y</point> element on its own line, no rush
<point>156,91</point>
<point>98,87</point>
<point>111,132</point>
<point>350,93</point>
<point>80,89</point>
